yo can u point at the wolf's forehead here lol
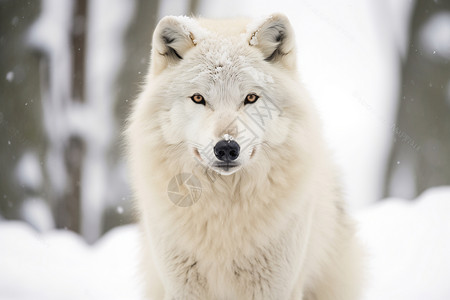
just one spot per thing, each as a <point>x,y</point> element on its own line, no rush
<point>225,69</point>
<point>228,62</point>
<point>222,59</point>
<point>223,54</point>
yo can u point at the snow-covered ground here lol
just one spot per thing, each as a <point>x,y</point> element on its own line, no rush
<point>408,256</point>
<point>408,247</point>
<point>60,265</point>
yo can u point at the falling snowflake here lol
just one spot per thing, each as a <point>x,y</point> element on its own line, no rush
<point>10,76</point>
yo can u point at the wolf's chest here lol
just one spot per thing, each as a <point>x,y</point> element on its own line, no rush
<point>234,262</point>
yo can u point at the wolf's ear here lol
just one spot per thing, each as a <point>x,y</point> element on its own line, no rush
<point>274,37</point>
<point>172,38</point>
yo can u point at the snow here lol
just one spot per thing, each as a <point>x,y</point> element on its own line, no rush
<point>399,12</point>
<point>15,21</point>
<point>10,76</point>
<point>435,36</point>
<point>28,171</point>
<point>407,244</point>
<point>403,182</point>
<point>36,212</point>
<point>59,265</point>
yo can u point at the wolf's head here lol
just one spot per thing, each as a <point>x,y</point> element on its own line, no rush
<point>223,93</point>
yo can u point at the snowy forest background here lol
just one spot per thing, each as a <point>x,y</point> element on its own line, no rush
<point>379,72</point>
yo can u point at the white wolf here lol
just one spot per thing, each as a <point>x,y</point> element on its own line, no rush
<point>264,218</point>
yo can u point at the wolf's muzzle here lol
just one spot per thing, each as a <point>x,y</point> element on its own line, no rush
<point>227,151</point>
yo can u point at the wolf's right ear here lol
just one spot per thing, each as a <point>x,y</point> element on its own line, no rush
<point>172,38</point>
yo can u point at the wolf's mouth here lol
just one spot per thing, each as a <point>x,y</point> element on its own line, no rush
<point>225,166</point>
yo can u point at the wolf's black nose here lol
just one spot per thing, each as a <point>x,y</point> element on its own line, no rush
<point>227,150</point>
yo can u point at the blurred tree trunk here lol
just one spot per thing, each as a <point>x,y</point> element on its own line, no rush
<point>20,118</point>
<point>194,7</point>
<point>67,213</point>
<point>137,56</point>
<point>79,49</point>
<point>420,157</point>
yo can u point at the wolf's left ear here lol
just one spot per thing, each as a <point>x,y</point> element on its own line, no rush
<point>172,39</point>
<point>274,37</point>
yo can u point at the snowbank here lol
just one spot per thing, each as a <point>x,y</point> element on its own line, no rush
<point>408,245</point>
<point>60,265</point>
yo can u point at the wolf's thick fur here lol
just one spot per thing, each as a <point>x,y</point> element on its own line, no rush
<point>274,227</point>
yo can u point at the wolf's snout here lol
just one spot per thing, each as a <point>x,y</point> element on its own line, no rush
<point>227,151</point>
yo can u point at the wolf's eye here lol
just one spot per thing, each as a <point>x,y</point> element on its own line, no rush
<point>197,98</point>
<point>251,98</point>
